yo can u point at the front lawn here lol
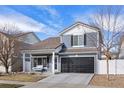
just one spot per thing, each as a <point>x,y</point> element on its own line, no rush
<point>116,81</point>
<point>23,77</point>
<point>10,85</point>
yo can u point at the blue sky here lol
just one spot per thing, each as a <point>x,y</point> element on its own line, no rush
<point>45,21</point>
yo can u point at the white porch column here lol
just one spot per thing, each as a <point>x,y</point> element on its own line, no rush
<point>30,62</point>
<point>23,62</point>
<point>53,62</point>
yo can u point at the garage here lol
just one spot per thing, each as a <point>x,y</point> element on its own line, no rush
<point>77,65</point>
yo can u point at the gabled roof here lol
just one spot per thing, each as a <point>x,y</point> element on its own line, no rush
<point>49,43</point>
<point>19,34</point>
<point>79,23</point>
<point>25,33</point>
<point>23,45</point>
<point>22,34</point>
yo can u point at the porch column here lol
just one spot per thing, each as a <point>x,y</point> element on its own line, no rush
<point>30,62</point>
<point>53,62</point>
<point>23,62</point>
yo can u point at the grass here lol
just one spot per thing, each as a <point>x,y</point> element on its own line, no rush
<point>115,81</point>
<point>22,77</point>
<point>10,85</point>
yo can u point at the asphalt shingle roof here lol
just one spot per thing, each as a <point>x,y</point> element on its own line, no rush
<point>49,43</point>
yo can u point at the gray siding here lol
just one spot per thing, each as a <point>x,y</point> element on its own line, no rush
<point>91,39</point>
<point>121,55</point>
<point>29,38</point>
<point>66,39</point>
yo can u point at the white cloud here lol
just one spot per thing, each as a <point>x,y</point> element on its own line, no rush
<point>50,10</point>
<point>25,23</point>
<point>54,18</point>
<point>53,12</point>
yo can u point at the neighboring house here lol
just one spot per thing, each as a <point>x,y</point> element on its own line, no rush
<point>121,55</point>
<point>74,50</point>
<point>28,37</point>
<point>24,40</point>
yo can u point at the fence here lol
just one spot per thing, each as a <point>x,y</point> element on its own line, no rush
<point>115,66</point>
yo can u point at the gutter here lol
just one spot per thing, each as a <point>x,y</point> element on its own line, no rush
<point>77,53</point>
<point>39,51</point>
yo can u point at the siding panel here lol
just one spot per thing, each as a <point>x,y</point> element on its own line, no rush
<point>91,39</point>
<point>67,40</point>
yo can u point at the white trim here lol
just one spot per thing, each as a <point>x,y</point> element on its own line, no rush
<point>78,46</point>
<point>40,50</point>
<point>81,47</point>
<point>30,62</point>
<point>23,62</point>
<point>39,56</point>
<point>77,23</point>
<point>53,62</point>
<point>78,56</point>
<point>61,39</point>
<point>90,52</point>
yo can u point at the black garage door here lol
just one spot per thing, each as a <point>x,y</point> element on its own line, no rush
<point>77,64</point>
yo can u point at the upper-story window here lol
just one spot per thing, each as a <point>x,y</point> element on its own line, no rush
<point>78,40</point>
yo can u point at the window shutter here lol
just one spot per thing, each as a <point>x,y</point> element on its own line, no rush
<point>85,39</point>
<point>71,40</point>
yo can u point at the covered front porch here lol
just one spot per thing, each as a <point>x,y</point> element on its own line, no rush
<point>34,61</point>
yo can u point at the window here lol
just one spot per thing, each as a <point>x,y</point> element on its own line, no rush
<point>27,57</point>
<point>55,62</point>
<point>77,40</point>
<point>40,61</point>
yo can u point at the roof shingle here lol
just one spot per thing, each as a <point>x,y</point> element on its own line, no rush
<point>50,43</point>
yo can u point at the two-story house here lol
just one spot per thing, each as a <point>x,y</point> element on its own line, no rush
<point>74,50</point>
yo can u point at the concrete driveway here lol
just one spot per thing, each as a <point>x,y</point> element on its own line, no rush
<point>63,80</point>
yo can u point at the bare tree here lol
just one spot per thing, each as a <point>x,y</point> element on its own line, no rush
<point>9,48</point>
<point>109,20</point>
